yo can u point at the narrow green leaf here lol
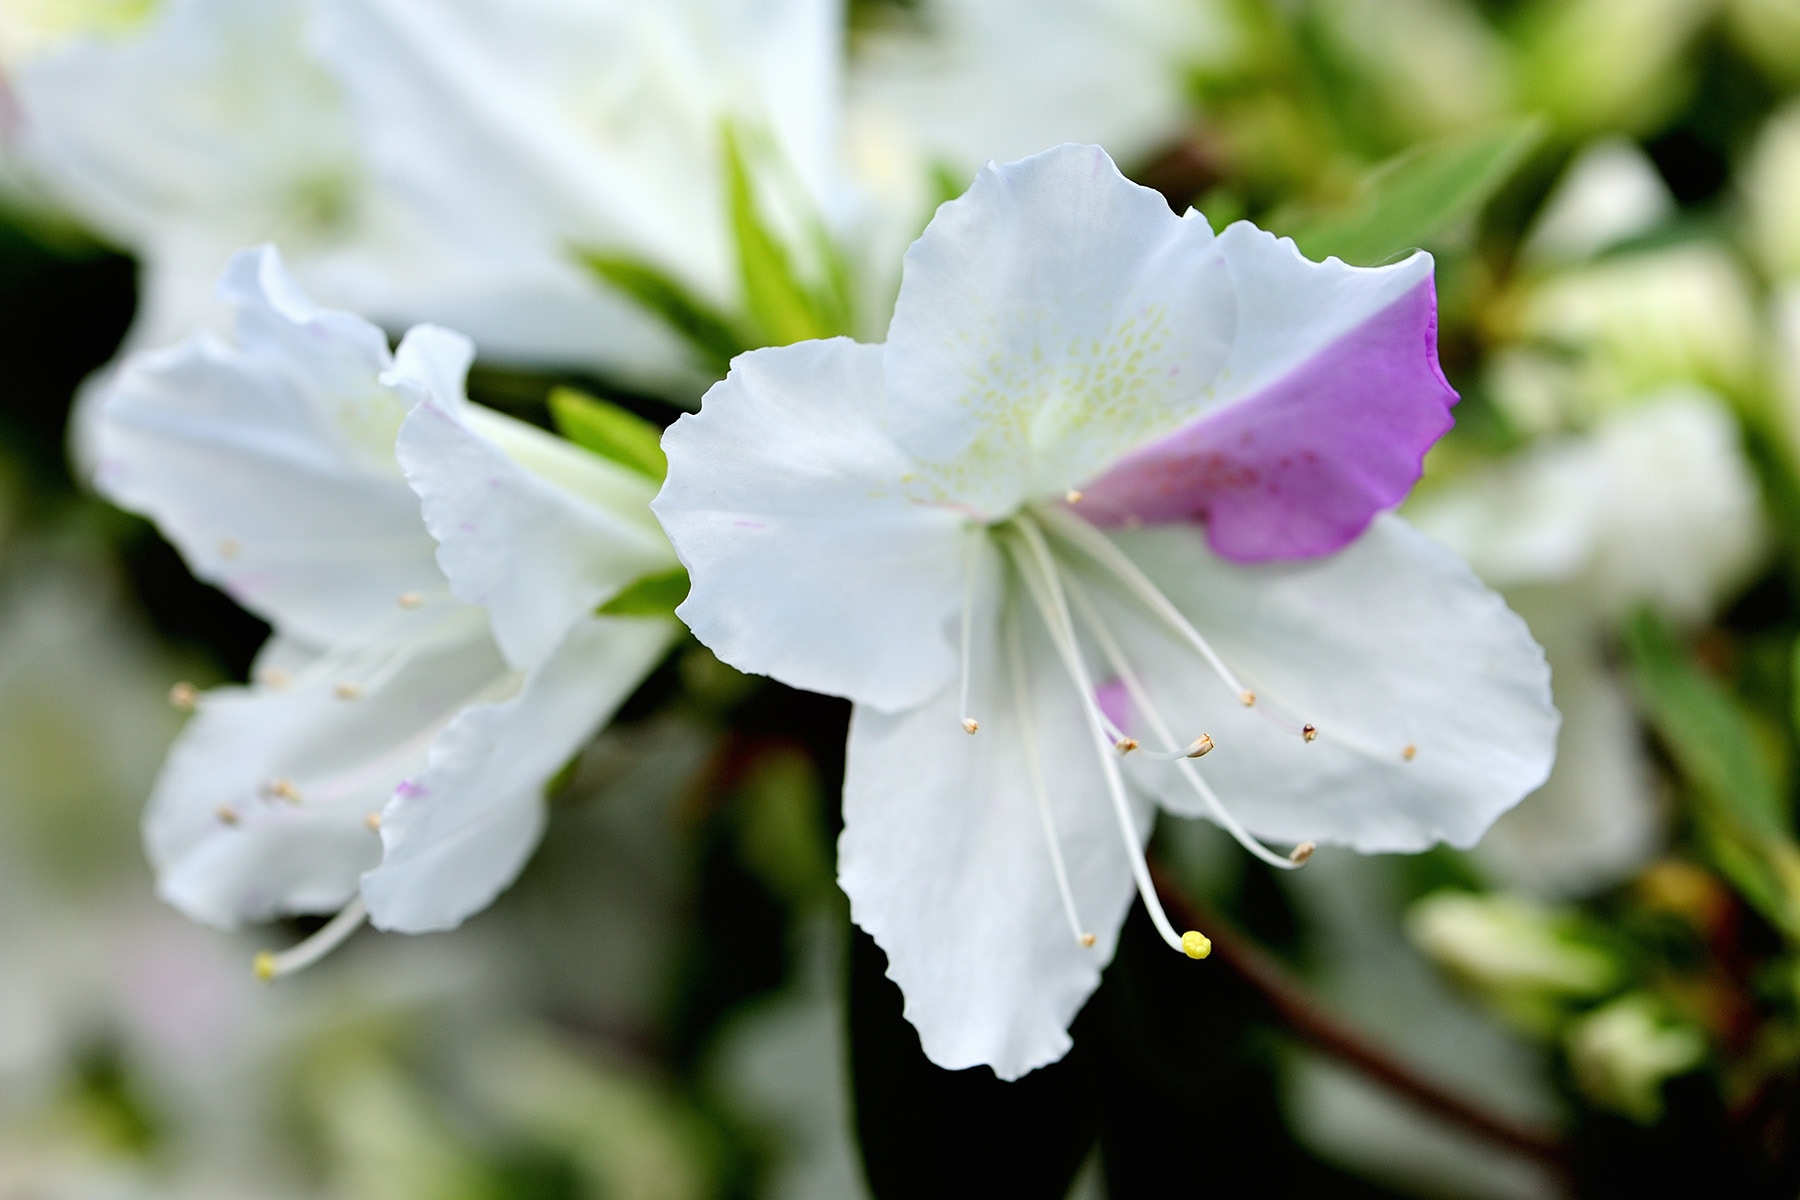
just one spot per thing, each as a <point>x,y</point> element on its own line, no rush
<point>1740,809</point>
<point>609,431</point>
<point>651,596</point>
<point>704,328</point>
<point>1412,198</point>
<point>784,309</point>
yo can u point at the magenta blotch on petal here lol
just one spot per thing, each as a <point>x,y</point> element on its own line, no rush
<point>1300,467</point>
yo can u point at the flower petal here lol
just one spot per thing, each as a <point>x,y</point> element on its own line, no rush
<point>785,501</point>
<point>270,463</point>
<point>538,553</point>
<point>1324,411</point>
<point>1052,318</point>
<point>460,832</point>
<point>262,806</point>
<point>1431,701</point>
<point>945,861</point>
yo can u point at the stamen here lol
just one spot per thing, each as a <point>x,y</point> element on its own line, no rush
<point>282,789</point>
<point>1125,745</point>
<point>373,821</point>
<point>227,815</point>
<point>1072,496</point>
<point>1301,853</point>
<point>1099,547</point>
<point>275,678</point>
<point>1247,698</point>
<point>409,599</point>
<point>1411,752</point>
<point>1109,646</point>
<point>1200,747</point>
<point>348,690</point>
<point>270,966</point>
<point>229,548</point>
<point>1015,657</point>
<point>184,696</point>
<point>1309,732</point>
<point>1046,589</point>
<point>1195,944</point>
<point>971,557</point>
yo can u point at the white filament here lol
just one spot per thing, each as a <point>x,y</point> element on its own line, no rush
<point>330,936</point>
<point>1015,656</point>
<point>1038,569</point>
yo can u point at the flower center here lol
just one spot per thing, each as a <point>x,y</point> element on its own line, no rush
<point>1030,542</point>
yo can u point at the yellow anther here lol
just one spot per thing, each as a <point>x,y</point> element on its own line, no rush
<point>264,966</point>
<point>409,600</point>
<point>1247,699</point>
<point>970,724</point>
<point>227,815</point>
<point>1410,752</point>
<point>184,696</point>
<point>283,789</point>
<point>1301,853</point>
<point>1201,747</point>
<point>373,821</point>
<point>1072,496</point>
<point>1087,939</point>
<point>348,691</point>
<point>1125,745</point>
<point>1195,944</point>
<point>1309,732</point>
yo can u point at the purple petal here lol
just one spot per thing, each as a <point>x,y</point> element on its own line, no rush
<point>1302,466</point>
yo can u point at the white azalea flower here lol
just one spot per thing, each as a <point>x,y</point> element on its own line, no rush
<point>1107,496</point>
<point>429,702</point>
<point>438,161</point>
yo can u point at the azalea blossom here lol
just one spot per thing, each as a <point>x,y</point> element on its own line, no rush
<point>1109,499</point>
<point>438,161</point>
<point>421,686</point>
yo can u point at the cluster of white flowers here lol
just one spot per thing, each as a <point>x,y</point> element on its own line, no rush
<point>1102,525</point>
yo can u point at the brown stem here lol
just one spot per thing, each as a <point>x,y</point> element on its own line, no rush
<point>1318,1027</point>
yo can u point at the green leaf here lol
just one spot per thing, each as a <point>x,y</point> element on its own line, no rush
<point>1741,809</point>
<point>784,309</point>
<point>1412,198</point>
<point>651,596</point>
<point>609,431</point>
<point>703,327</point>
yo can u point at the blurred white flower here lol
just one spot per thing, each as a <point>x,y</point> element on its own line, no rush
<point>431,704</point>
<point>1622,1053</point>
<point>32,27</point>
<point>1770,186</point>
<point>1657,506</point>
<point>439,161</point>
<point>1609,64</point>
<point>1610,192</point>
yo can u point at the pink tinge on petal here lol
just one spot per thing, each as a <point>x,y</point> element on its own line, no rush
<point>1301,467</point>
<point>1115,701</point>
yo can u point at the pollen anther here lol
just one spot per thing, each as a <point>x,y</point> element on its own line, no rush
<point>1125,745</point>
<point>1411,752</point>
<point>1200,747</point>
<point>348,691</point>
<point>373,821</point>
<point>1301,853</point>
<point>970,724</point>
<point>1072,496</point>
<point>283,789</point>
<point>1087,939</point>
<point>1247,699</point>
<point>184,696</point>
<point>1195,944</point>
<point>1309,732</point>
<point>227,815</point>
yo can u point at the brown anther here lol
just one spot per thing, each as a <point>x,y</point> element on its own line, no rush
<point>1247,699</point>
<point>373,821</point>
<point>1072,496</point>
<point>1201,747</point>
<point>227,815</point>
<point>1301,853</point>
<point>409,600</point>
<point>970,724</point>
<point>184,696</point>
<point>1309,732</point>
<point>1125,745</point>
<point>1087,939</point>
<point>1410,752</point>
<point>348,691</point>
